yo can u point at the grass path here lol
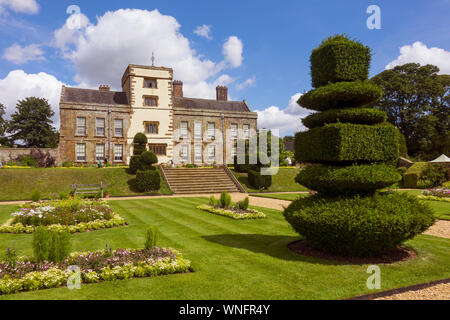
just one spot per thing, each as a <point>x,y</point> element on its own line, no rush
<point>232,259</point>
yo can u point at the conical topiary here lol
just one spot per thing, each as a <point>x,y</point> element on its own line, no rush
<point>353,150</point>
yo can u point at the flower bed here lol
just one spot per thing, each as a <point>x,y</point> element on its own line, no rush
<point>96,266</point>
<point>233,213</point>
<point>441,194</point>
<point>78,215</point>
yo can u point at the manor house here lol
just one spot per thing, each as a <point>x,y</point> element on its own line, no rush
<point>101,124</point>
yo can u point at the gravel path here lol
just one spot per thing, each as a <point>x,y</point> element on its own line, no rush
<point>437,292</point>
<point>440,229</point>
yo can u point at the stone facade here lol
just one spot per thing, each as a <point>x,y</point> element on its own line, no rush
<point>11,154</point>
<point>152,103</point>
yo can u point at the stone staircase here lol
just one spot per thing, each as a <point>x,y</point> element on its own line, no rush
<point>200,180</point>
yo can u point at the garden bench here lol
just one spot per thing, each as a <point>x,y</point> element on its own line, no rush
<point>88,189</point>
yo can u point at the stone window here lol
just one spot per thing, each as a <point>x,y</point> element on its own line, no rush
<point>211,130</point>
<point>100,152</point>
<point>151,101</point>
<point>80,152</point>
<point>158,149</point>
<point>212,153</point>
<point>184,153</point>
<point>198,153</point>
<point>150,83</point>
<point>81,126</point>
<point>118,152</point>
<point>184,129</point>
<point>234,131</point>
<point>198,130</point>
<point>246,128</point>
<point>100,127</point>
<point>151,127</point>
<point>118,128</point>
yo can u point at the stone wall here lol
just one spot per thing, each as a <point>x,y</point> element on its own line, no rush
<point>11,154</point>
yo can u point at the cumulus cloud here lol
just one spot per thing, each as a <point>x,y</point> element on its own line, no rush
<point>420,53</point>
<point>287,120</point>
<point>18,85</point>
<point>22,6</point>
<point>247,83</point>
<point>20,55</point>
<point>203,31</point>
<point>232,51</point>
<point>70,32</point>
<point>101,51</point>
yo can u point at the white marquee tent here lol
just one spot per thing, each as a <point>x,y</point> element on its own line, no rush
<point>441,158</point>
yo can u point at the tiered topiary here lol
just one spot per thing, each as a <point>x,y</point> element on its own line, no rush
<point>353,150</point>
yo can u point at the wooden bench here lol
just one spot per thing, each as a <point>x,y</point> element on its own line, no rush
<point>84,189</point>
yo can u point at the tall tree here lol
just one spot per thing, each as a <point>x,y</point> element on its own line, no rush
<point>31,123</point>
<point>2,121</point>
<point>416,100</point>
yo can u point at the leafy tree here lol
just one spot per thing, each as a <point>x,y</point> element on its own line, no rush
<point>3,139</point>
<point>31,123</point>
<point>417,101</point>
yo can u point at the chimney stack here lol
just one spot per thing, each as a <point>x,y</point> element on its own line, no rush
<point>178,88</point>
<point>103,87</point>
<point>222,93</point>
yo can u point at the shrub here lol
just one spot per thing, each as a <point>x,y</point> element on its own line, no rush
<point>243,205</point>
<point>403,149</point>
<point>358,116</point>
<point>27,161</point>
<point>148,180</point>
<point>43,159</point>
<point>67,164</point>
<point>213,201</point>
<point>151,237</point>
<point>338,58</point>
<point>347,142</point>
<point>433,175</point>
<point>359,226</point>
<point>139,143</point>
<point>258,181</point>
<point>10,257</point>
<point>353,179</point>
<point>51,245</point>
<point>135,164</point>
<point>36,196</point>
<point>225,199</point>
<point>341,95</point>
<point>245,167</point>
<point>148,159</point>
<point>63,196</point>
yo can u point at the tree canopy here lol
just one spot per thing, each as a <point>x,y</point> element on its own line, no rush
<point>31,123</point>
<point>417,101</point>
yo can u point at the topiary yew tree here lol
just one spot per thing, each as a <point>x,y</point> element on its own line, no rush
<point>354,150</point>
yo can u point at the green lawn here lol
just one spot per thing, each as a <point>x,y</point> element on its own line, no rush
<point>18,184</point>
<point>231,259</point>
<point>283,181</point>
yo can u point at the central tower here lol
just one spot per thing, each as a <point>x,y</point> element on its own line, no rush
<point>149,92</point>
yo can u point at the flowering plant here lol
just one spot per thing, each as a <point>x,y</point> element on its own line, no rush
<point>439,192</point>
<point>234,214</point>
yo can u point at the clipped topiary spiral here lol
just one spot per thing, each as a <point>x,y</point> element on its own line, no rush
<point>356,116</point>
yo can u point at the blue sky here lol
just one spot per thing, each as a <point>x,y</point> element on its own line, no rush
<point>259,49</point>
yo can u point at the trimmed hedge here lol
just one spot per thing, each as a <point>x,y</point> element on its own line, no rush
<point>339,59</point>
<point>356,116</point>
<point>341,95</point>
<point>359,226</point>
<point>143,162</point>
<point>148,180</point>
<point>258,181</point>
<point>411,176</point>
<point>338,180</point>
<point>139,143</point>
<point>347,142</point>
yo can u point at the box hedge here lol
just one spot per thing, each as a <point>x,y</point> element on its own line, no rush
<point>144,161</point>
<point>347,142</point>
<point>354,115</point>
<point>359,226</point>
<point>338,180</point>
<point>341,95</point>
<point>258,181</point>
<point>338,58</point>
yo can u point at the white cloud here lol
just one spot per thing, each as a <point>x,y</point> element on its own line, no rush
<point>22,6</point>
<point>287,120</point>
<point>18,85</point>
<point>232,51</point>
<point>70,32</point>
<point>101,51</point>
<point>203,31</point>
<point>420,53</point>
<point>20,55</point>
<point>247,83</point>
